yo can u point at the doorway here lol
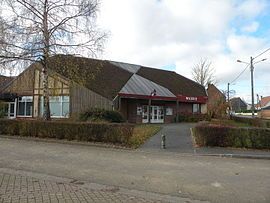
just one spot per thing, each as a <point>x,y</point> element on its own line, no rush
<point>156,114</point>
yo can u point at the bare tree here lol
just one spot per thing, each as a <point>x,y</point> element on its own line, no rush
<point>34,30</point>
<point>203,73</point>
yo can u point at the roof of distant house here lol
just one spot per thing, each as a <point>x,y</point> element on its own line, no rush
<point>264,101</point>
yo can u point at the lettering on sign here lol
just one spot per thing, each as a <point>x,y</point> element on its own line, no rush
<point>191,98</point>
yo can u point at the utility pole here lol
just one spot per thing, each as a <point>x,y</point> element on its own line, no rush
<point>228,96</point>
<point>252,87</point>
<point>228,92</point>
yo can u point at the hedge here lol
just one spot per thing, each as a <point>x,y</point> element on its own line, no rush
<point>96,114</point>
<point>81,131</point>
<point>189,117</point>
<point>257,122</point>
<point>227,136</point>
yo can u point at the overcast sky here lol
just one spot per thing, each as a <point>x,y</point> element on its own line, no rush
<point>176,34</point>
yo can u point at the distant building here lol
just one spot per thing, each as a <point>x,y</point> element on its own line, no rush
<point>264,111</point>
<point>238,105</point>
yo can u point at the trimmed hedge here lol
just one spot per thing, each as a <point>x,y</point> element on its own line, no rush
<point>81,131</point>
<point>96,114</point>
<point>257,122</point>
<point>227,136</point>
<point>189,117</point>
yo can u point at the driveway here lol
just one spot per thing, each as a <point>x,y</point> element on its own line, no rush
<point>178,138</point>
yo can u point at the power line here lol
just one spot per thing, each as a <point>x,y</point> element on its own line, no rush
<point>261,53</point>
<point>240,74</point>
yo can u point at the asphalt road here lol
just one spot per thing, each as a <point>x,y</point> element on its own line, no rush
<point>196,177</point>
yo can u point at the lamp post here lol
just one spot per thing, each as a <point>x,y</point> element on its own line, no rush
<point>152,94</point>
<point>251,63</point>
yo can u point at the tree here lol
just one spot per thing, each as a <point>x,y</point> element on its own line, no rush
<point>34,30</point>
<point>203,73</point>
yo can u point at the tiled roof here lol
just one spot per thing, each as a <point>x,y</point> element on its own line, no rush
<point>264,101</point>
<point>177,84</point>
<point>4,80</point>
<point>108,78</point>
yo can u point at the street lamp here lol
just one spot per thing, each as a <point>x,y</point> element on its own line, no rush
<point>252,85</point>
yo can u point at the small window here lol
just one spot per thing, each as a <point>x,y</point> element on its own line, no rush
<point>196,108</point>
<point>169,111</point>
<point>139,110</point>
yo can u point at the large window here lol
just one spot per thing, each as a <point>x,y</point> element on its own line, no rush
<point>196,108</point>
<point>59,106</point>
<point>25,106</point>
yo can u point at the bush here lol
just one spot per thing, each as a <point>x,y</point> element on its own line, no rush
<point>256,122</point>
<point>227,136</point>
<point>81,131</point>
<point>96,114</point>
<point>189,117</point>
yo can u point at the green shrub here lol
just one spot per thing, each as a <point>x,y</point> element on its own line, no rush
<point>81,131</point>
<point>256,122</point>
<point>96,114</point>
<point>206,134</point>
<point>189,117</point>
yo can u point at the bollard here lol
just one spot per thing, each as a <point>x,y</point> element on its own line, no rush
<point>163,141</point>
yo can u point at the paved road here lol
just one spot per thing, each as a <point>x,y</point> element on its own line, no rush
<point>194,177</point>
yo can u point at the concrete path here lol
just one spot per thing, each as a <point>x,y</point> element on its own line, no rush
<point>197,178</point>
<point>178,138</point>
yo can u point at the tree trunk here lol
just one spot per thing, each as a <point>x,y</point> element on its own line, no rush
<point>46,50</point>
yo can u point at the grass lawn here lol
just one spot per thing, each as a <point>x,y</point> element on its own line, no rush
<point>141,133</point>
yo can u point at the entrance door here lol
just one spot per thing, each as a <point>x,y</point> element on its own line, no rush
<point>156,114</point>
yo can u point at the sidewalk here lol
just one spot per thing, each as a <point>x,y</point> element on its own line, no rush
<point>20,186</point>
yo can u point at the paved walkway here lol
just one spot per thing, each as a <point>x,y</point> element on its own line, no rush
<point>16,186</point>
<point>178,139</point>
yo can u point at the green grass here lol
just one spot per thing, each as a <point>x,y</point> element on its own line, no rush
<point>141,133</point>
<point>226,122</point>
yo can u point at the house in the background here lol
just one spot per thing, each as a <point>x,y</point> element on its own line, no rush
<point>238,105</point>
<point>216,104</point>
<point>76,84</point>
<point>263,102</point>
<point>264,110</point>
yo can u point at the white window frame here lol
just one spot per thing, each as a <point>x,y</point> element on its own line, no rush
<point>198,108</point>
<point>24,100</point>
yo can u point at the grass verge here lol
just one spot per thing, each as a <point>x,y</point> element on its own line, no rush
<point>141,133</point>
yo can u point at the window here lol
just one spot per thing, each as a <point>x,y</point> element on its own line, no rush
<point>196,108</point>
<point>59,106</point>
<point>25,106</point>
<point>139,110</point>
<point>169,111</point>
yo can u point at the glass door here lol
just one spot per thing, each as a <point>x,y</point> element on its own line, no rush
<point>157,114</point>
